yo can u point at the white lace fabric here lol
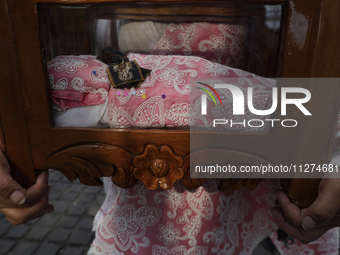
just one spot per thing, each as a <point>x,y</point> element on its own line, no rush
<point>182,222</point>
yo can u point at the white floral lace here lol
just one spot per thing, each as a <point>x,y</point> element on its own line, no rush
<point>78,84</point>
<point>214,70</point>
<point>204,221</point>
<point>69,64</point>
<point>149,113</point>
<point>228,45</point>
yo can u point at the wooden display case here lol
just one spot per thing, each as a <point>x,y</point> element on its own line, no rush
<point>309,41</point>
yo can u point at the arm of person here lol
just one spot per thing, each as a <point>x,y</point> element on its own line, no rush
<point>22,205</point>
<point>310,223</point>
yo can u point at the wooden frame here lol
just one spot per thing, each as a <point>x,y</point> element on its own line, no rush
<point>32,143</point>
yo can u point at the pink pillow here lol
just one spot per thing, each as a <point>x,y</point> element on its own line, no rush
<point>167,99</point>
<point>78,81</point>
<point>222,43</point>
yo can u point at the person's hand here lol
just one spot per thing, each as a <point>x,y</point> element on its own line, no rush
<point>22,205</point>
<point>310,223</point>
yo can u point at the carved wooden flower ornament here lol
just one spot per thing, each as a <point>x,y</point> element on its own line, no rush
<point>158,167</point>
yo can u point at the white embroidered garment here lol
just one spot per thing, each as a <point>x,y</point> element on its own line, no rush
<point>199,222</point>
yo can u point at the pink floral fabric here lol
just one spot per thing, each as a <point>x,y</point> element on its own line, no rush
<point>78,81</point>
<point>182,222</point>
<point>169,96</point>
<point>222,43</point>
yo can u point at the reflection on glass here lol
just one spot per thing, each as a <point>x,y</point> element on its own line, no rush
<point>176,42</point>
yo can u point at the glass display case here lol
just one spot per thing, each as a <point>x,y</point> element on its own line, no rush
<point>265,38</point>
<point>225,34</point>
<point>157,28</point>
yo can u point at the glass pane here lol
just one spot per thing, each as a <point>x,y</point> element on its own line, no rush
<point>224,36</point>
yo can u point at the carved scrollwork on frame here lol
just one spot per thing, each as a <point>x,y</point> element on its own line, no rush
<point>90,161</point>
<point>158,167</point>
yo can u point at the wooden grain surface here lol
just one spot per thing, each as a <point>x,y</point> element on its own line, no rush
<point>14,126</point>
